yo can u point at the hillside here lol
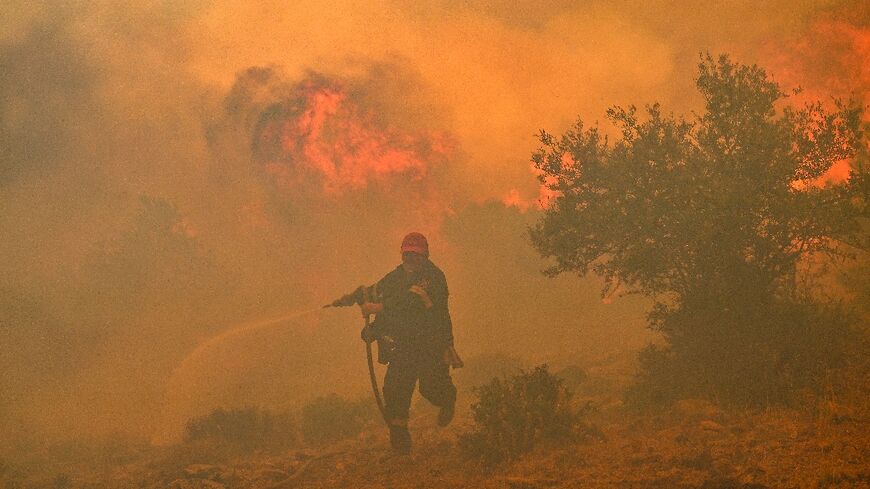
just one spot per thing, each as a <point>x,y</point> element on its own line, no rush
<point>693,444</point>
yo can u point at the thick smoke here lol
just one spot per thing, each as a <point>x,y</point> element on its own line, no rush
<point>169,172</point>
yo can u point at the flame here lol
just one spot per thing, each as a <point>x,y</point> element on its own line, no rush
<point>513,199</point>
<point>832,58</point>
<point>322,133</point>
<point>838,173</point>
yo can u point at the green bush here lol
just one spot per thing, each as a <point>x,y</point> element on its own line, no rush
<point>513,414</point>
<point>765,355</point>
<point>332,418</point>
<point>245,428</point>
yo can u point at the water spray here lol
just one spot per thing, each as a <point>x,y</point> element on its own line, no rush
<point>243,329</point>
<point>233,333</point>
<point>359,296</point>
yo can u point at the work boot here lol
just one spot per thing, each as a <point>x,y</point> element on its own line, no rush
<point>400,440</point>
<point>445,414</point>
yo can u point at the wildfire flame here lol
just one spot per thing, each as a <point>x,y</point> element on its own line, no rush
<point>321,133</point>
<point>546,195</point>
<point>828,46</point>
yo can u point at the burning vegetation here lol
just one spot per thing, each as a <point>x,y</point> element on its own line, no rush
<point>322,133</point>
<point>703,217</point>
<point>334,134</point>
<point>704,312</point>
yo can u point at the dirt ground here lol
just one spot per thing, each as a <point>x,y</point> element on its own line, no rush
<point>692,445</point>
<point>696,446</point>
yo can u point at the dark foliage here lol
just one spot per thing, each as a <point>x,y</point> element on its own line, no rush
<point>770,356</point>
<point>246,428</point>
<point>573,376</point>
<point>513,414</point>
<point>713,218</point>
<point>332,418</point>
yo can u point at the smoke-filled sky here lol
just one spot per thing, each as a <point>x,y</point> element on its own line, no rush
<point>171,170</point>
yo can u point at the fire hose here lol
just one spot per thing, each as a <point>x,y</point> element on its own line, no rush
<point>372,377</point>
<point>359,296</point>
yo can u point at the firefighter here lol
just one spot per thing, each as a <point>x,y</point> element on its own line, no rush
<point>415,337</point>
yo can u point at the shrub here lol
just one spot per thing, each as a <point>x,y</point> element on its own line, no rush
<point>246,428</point>
<point>62,481</point>
<point>574,376</point>
<point>513,414</point>
<point>767,355</point>
<point>332,418</point>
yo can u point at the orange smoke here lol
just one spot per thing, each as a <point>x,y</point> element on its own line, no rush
<point>832,58</point>
<point>545,195</point>
<point>514,199</point>
<point>320,133</point>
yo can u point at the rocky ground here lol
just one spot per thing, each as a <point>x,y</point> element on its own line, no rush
<point>693,444</point>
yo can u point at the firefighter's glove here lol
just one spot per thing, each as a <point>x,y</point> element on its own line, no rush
<point>421,292</point>
<point>369,308</point>
<point>452,359</point>
<point>368,334</point>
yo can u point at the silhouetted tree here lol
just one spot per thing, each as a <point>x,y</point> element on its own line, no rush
<point>154,262</point>
<point>710,217</point>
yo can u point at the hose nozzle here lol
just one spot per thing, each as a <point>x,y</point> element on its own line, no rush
<point>355,297</point>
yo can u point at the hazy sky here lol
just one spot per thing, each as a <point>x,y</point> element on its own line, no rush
<point>169,170</point>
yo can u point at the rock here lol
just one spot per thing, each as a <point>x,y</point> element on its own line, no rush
<point>305,455</point>
<point>195,484</point>
<point>202,471</point>
<point>708,425</point>
<point>271,474</point>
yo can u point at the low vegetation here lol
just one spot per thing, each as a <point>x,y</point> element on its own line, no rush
<point>331,418</point>
<point>246,428</point>
<point>514,414</point>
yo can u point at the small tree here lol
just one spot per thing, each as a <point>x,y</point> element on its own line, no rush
<point>710,218</point>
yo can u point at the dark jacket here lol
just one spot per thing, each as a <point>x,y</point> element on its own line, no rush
<point>405,318</point>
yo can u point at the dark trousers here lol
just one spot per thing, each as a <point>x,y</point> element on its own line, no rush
<point>401,378</point>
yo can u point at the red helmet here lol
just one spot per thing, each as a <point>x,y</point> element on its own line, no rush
<point>416,243</point>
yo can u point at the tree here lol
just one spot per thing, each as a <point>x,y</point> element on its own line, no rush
<point>155,262</point>
<point>710,217</point>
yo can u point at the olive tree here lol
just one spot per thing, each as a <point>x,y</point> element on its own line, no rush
<point>711,216</point>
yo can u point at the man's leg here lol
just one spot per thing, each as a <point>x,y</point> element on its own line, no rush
<point>437,387</point>
<point>399,385</point>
